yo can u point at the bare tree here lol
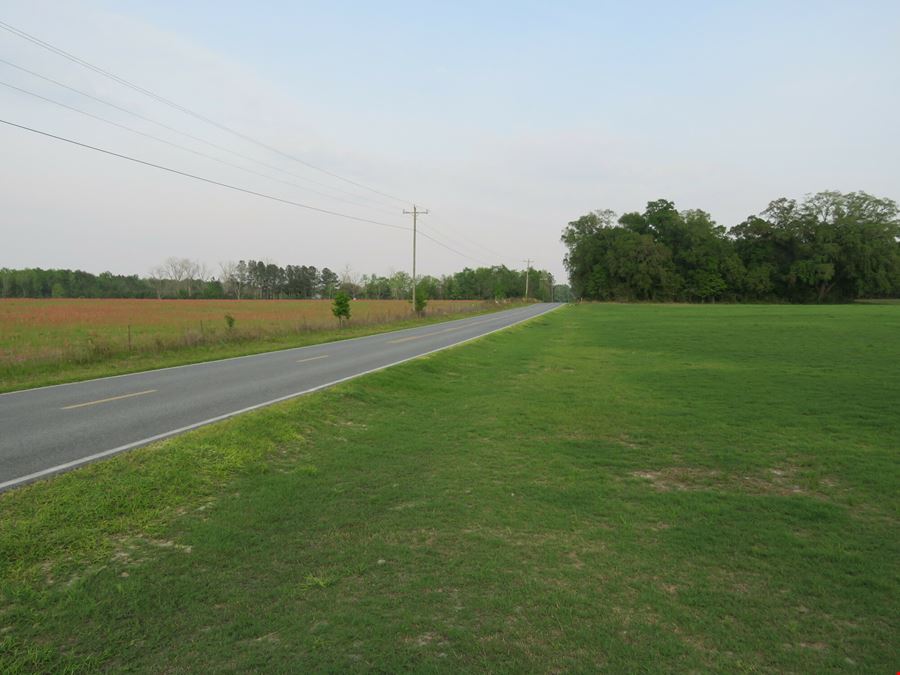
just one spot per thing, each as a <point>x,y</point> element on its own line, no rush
<point>174,269</point>
<point>203,272</point>
<point>227,275</point>
<point>184,271</point>
<point>192,271</point>
<point>349,282</point>
<point>158,279</point>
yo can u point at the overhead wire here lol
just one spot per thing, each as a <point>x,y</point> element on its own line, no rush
<point>448,247</point>
<point>124,82</point>
<point>436,217</point>
<point>237,188</point>
<point>174,145</point>
<point>462,244</point>
<point>202,178</point>
<point>421,231</point>
<point>184,109</point>
<point>199,139</point>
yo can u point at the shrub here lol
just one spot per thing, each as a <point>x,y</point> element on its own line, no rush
<point>341,307</point>
<point>420,301</point>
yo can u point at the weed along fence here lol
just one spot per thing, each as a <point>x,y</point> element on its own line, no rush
<point>85,330</point>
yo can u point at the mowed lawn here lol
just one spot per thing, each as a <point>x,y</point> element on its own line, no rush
<point>623,487</point>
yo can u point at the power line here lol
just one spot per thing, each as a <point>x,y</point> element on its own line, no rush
<point>188,111</point>
<point>56,50</point>
<point>199,139</point>
<point>174,145</point>
<point>236,188</point>
<point>201,178</point>
<point>450,248</point>
<point>481,246</point>
<point>474,246</point>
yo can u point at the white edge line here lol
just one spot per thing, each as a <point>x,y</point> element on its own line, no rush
<point>266,353</point>
<point>219,418</point>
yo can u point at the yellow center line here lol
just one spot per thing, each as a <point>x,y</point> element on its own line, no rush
<point>437,332</point>
<point>313,358</point>
<point>107,400</point>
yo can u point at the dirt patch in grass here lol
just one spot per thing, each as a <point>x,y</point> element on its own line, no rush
<point>776,481</point>
<point>137,550</point>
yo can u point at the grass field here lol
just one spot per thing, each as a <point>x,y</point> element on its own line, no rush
<point>623,487</point>
<point>46,341</point>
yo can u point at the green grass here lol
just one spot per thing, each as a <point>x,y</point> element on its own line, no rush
<point>25,373</point>
<point>635,488</point>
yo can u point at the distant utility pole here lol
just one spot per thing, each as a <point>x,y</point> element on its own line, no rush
<point>415,213</point>
<point>527,262</point>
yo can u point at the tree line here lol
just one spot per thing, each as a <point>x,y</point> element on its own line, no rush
<point>186,278</point>
<point>829,247</point>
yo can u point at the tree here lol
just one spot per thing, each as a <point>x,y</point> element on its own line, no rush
<point>562,293</point>
<point>241,278</point>
<point>158,279</point>
<point>213,290</point>
<point>607,260</point>
<point>584,240</point>
<point>184,272</point>
<point>349,283</point>
<point>274,280</point>
<point>308,279</point>
<point>227,277</point>
<point>328,282</point>
<point>400,284</point>
<point>341,307</point>
<point>255,278</point>
<point>420,298</point>
<point>850,242</point>
<point>376,287</point>
<point>830,246</point>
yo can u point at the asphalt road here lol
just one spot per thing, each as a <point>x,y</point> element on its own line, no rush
<point>51,429</point>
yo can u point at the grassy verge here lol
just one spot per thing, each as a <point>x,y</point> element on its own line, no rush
<point>15,375</point>
<point>633,488</point>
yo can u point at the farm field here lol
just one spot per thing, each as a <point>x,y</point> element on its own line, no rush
<point>45,341</point>
<point>627,488</point>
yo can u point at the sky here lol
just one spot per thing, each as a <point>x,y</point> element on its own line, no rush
<point>506,120</point>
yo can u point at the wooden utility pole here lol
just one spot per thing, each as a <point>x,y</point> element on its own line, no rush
<point>415,214</point>
<point>527,274</point>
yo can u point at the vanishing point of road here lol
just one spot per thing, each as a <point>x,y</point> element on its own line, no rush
<point>47,430</point>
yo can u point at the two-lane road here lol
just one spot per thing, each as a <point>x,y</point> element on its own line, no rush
<point>52,429</point>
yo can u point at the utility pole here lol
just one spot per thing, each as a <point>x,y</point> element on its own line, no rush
<point>527,262</point>
<point>415,213</point>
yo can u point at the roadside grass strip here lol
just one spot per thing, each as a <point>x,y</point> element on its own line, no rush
<point>60,360</point>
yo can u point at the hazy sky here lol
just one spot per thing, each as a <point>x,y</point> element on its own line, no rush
<point>506,119</point>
